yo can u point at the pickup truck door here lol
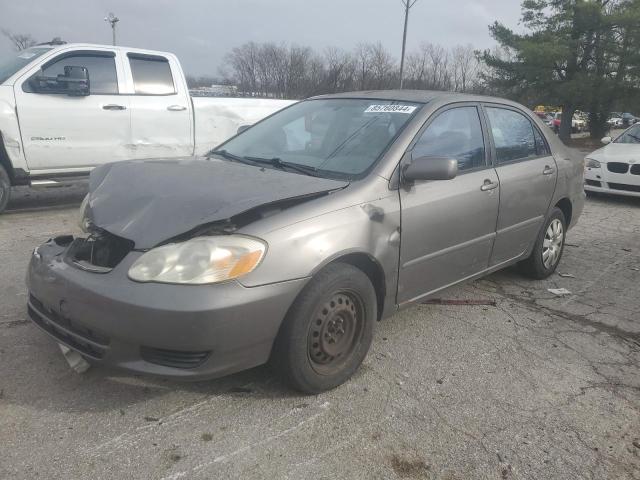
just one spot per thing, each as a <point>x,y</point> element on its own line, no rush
<point>62,132</point>
<point>527,173</point>
<point>161,108</point>
<point>448,226</point>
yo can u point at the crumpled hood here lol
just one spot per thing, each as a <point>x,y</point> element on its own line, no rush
<point>617,152</point>
<point>151,201</point>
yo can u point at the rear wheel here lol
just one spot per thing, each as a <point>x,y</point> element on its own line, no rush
<point>328,330</point>
<point>5,188</point>
<point>547,251</point>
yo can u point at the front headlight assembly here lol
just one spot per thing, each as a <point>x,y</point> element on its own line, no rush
<point>83,217</point>
<point>591,163</point>
<point>199,261</point>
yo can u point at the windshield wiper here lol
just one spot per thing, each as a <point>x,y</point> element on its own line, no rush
<point>283,165</point>
<point>230,156</point>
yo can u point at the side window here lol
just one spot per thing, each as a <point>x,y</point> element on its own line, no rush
<point>455,133</point>
<point>513,135</point>
<point>541,145</point>
<point>151,75</point>
<point>102,71</point>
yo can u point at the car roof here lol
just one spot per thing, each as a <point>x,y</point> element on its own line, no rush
<point>420,96</point>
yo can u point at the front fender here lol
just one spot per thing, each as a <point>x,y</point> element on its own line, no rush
<point>303,248</point>
<point>10,131</point>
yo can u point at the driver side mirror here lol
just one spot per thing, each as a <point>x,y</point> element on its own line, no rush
<point>606,140</point>
<point>431,168</point>
<point>242,128</point>
<point>74,82</point>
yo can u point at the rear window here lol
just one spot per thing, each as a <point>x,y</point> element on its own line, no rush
<point>151,75</point>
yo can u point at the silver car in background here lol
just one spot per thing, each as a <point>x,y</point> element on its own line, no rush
<point>289,241</point>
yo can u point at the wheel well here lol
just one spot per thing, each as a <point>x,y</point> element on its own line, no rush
<point>4,160</point>
<point>565,206</point>
<point>373,270</point>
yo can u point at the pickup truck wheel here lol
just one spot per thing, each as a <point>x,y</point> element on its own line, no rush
<point>5,189</point>
<point>328,330</point>
<point>547,251</point>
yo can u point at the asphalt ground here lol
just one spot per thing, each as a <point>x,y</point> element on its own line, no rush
<point>536,386</point>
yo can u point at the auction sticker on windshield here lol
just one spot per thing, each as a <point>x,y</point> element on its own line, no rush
<point>390,109</point>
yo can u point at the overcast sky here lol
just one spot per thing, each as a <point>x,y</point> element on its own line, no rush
<point>200,32</point>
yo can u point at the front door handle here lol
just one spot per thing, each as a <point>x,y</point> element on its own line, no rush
<point>548,170</point>
<point>113,106</point>
<point>176,108</point>
<point>489,185</point>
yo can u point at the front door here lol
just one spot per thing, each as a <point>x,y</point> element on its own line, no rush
<point>527,173</point>
<point>61,131</point>
<point>448,226</point>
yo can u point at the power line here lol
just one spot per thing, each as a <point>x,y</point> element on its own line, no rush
<point>407,6</point>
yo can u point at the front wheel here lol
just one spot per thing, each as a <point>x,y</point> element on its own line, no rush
<point>5,189</point>
<point>328,330</point>
<point>547,251</point>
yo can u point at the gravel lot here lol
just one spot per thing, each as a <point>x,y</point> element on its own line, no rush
<point>536,387</point>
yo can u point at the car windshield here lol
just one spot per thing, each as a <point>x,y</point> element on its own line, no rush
<point>10,65</point>
<point>332,137</point>
<point>630,136</point>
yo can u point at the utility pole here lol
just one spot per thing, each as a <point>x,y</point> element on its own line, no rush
<point>112,19</point>
<point>407,6</point>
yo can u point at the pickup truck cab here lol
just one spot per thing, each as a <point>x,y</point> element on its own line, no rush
<point>67,108</point>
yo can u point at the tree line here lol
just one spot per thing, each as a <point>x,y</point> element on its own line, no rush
<point>580,54</point>
<point>292,71</point>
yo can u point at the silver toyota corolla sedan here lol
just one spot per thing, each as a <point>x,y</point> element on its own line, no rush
<point>291,240</point>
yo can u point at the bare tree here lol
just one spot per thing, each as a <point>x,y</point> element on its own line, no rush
<point>283,71</point>
<point>464,68</point>
<point>20,41</point>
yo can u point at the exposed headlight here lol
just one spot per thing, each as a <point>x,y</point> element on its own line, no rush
<point>83,219</point>
<point>591,163</point>
<point>199,261</point>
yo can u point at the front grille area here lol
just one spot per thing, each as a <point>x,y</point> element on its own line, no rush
<point>635,169</point>
<point>173,358</point>
<point>593,183</point>
<point>77,336</point>
<point>618,167</point>
<point>626,188</point>
<point>99,253</point>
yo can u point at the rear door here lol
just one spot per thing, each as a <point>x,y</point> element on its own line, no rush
<point>66,132</point>
<point>161,115</point>
<point>448,226</point>
<point>527,173</point>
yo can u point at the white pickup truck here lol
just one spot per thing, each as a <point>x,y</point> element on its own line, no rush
<point>67,108</point>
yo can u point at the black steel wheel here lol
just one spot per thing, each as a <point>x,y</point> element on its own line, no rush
<point>328,330</point>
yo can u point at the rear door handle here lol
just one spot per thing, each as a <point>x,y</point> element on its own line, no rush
<point>548,170</point>
<point>176,108</point>
<point>489,185</point>
<point>113,106</point>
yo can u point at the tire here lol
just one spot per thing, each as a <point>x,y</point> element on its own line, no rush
<point>5,189</point>
<point>548,249</point>
<point>328,330</point>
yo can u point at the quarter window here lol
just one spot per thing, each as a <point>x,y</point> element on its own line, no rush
<point>102,71</point>
<point>513,135</point>
<point>455,133</point>
<point>151,75</point>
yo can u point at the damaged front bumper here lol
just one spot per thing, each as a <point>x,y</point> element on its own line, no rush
<point>186,331</point>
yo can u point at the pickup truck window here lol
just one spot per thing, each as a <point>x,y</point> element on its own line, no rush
<point>151,75</point>
<point>11,65</point>
<point>102,71</point>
